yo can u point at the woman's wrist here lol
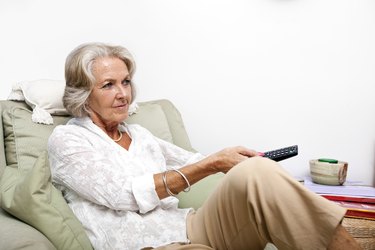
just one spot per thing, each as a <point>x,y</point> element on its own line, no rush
<point>209,165</point>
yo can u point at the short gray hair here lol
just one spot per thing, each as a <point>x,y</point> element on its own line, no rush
<point>80,79</point>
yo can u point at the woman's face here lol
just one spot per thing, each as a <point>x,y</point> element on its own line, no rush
<point>110,98</point>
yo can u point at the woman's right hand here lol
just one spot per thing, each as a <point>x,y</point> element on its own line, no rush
<point>227,158</point>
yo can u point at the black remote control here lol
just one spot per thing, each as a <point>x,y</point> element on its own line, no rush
<point>282,153</point>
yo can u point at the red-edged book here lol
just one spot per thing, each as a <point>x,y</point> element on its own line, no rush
<point>360,199</point>
<point>357,207</point>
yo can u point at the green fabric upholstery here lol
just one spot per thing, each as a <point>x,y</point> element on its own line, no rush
<point>176,124</point>
<point>24,139</point>
<point>33,199</point>
<point>16,234</point>
<point>26,189</point>
<point>155,120</point>
<point>4,106</point>
<point>199,192</point>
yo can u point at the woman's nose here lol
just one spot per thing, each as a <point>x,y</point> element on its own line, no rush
<point>121,91</point>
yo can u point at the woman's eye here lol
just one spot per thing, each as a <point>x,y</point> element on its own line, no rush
<point>126,82</point>
<point>107,85</point>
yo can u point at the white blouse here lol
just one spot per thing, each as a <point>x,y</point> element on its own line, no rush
<point>111,190</point>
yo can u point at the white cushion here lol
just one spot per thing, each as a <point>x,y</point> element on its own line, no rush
<point>43,96</point>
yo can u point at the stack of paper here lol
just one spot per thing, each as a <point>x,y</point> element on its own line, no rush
<point>358,200</point>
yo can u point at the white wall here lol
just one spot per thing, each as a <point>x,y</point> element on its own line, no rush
<point>261,73</point>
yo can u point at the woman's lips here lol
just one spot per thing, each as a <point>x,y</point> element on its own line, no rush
<point>121,106</point>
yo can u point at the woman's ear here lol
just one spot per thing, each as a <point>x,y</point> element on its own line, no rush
<point>87,107</point>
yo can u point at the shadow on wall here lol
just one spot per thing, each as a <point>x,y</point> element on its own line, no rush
<point>373,178</point>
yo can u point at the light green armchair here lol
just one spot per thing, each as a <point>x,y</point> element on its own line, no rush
<point>33,214</point>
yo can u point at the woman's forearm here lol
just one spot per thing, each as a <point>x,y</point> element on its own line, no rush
<point>176,183</point>
<point>221,161</point>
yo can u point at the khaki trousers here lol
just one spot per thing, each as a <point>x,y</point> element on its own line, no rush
<point>258,202</point>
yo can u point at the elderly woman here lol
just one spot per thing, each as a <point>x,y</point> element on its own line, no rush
<point>121,181</point>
